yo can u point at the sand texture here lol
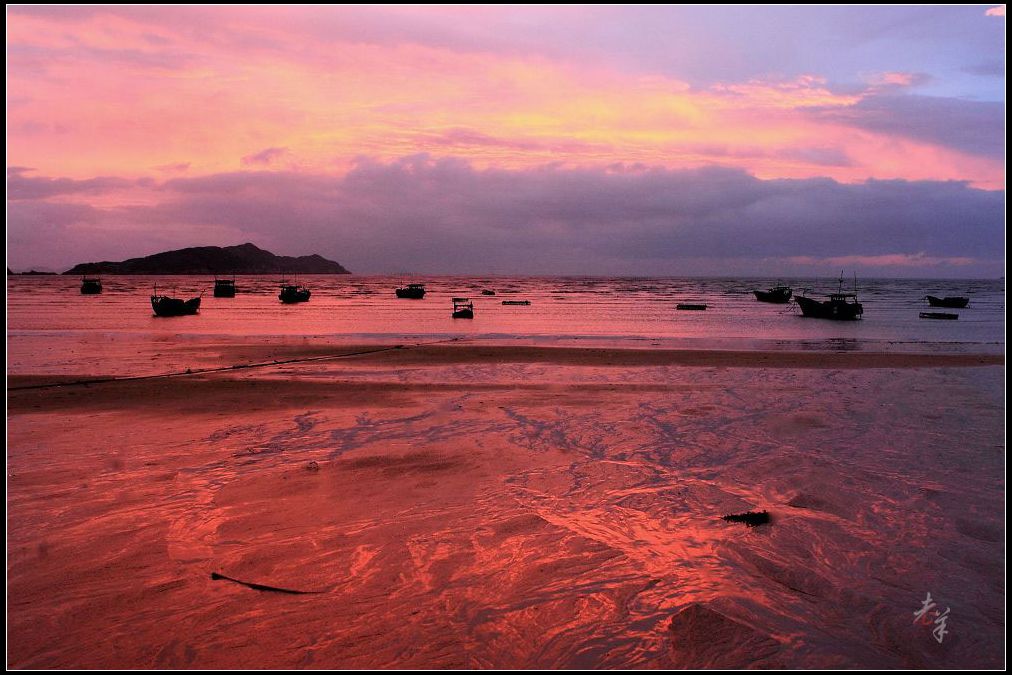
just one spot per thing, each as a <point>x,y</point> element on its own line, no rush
<point>456,506</point>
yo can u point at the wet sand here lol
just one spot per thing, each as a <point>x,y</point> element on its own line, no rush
<point>467,506</point>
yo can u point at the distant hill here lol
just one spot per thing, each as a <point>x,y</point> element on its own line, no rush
<point>242,259</point>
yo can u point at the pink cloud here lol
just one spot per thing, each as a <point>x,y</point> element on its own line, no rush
<point>888,260</point>
<point>125,89</point>
<point>173,167</point>
<point>899,80</point>
<point>265,157</point>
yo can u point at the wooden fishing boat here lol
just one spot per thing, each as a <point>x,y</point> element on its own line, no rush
<point>840,306</point>
<point>688,306</point>
<point>412,291</point>
<point>953,302</point>
<point>939,315</point>
<point>516,302</point>
<point>91,286</point>
<point>779,295</point>
<point>488,291</point>
<point>463,308</point>
<point>292,293</point>
<point>224,288</point>
<point>163,305</point>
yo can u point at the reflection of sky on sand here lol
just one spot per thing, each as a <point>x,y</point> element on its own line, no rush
<point>561,520</point>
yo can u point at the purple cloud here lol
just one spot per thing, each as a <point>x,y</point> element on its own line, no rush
<point>992,68</point>
<point>973,127</point>
<point>446,216</point>
<point>21,186</point>
<point>822,156</point>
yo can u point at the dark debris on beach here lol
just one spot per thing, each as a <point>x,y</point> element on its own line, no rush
<point>750,518</point>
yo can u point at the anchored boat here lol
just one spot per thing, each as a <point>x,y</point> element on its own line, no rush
<point>954,302</point>
<point>292,293</point>
<point>412,291</point>
<point>163,305</point>
<point>840,306</point>
<point>779,295</point>
<point>224,288</point>
<point>463,308</point>
<point>91,286</point>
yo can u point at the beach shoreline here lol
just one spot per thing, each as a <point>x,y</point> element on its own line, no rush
<point>207,354</point>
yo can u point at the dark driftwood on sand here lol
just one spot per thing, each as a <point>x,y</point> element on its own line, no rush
<point>262,587</point>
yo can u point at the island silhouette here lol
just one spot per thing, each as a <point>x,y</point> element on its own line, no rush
<point>242,259</point>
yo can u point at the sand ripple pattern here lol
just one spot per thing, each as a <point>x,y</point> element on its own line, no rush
<point>517,515</point>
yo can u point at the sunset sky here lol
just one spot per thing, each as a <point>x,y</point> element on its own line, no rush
<point>543,140</point>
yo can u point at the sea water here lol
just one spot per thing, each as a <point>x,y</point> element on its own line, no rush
<point>639,310</point>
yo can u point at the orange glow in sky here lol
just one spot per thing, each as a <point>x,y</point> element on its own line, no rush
<point>137,95</point>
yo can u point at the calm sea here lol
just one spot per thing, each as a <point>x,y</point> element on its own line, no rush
<point>639,310</point>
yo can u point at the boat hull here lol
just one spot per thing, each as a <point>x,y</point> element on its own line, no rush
<point>87,289</point>
<point>956,303</point>
<point>463,314</point>
<point>830,309</point>
<point>224,291</point>
<point>690,307</point>
<point>163,305</point>
<point>410,293</point>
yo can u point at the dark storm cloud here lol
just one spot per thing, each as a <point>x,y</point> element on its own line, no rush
<point>444,215</point>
